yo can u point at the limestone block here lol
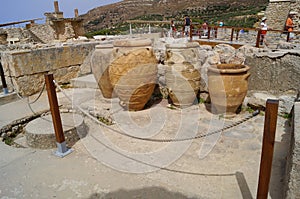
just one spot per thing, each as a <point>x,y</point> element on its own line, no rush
<point>225,51</point>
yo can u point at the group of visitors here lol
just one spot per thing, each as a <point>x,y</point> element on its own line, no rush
<point>186,26</point>
<point>289,27</point>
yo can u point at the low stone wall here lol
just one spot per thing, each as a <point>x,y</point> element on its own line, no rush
<point>24,70</point>
<point>293,161</point>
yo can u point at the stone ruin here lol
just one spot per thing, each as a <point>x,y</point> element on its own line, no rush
<point>51,48</point>
<point>56,28</point>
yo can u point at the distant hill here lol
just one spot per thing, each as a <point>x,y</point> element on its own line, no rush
<point>229,11</point>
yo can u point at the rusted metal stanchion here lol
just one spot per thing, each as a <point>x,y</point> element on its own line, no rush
<point>267,148</point>
<point>62,149</point>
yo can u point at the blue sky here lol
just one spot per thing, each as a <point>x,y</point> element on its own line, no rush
<point>17,10</point>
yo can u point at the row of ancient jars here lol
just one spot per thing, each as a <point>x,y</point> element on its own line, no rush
<point>128,69</point>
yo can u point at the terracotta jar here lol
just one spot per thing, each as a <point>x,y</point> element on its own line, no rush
<point>184,52</point>
<point>228,86</point>
<point>133,73</point>
<point>183,82</point>
<point>100,61</point>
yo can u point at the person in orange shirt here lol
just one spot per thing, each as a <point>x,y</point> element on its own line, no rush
<point>290,26</point>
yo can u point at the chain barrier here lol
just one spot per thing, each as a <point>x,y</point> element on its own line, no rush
<point>158,140</point>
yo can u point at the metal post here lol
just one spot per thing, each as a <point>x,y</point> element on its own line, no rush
<point>267,148</point>
<point>62,149</point>
<point>4,85</point>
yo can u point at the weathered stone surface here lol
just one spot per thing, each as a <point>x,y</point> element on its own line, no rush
<point>293,162</point>
<point>225,51</point>
<point>276,73</point>
<point>26,68</point>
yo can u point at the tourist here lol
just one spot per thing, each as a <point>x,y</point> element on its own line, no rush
<point>173,29</point>
<point>187,25</point>
<point>289,25</point>
<point>221,24</point>
<point>264,29</point>
<point>205,28</point>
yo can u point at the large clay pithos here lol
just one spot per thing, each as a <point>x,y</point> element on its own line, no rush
<point>182,74</point>
<point>183,82</point>
<point>101,59</point>
<point>133,76</point>
<point>228,86</point>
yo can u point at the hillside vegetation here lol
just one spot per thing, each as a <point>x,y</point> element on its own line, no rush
<point>111,19</point>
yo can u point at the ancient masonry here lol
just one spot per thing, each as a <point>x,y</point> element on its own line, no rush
<point>56,28</point>
<point>278,10</point>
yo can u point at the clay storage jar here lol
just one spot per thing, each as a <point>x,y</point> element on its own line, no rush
<point>228,86</point>
<point>184,52</point>
<point>133,72</point>
<point>101,59</point>
<point>182,74</point>
<point>183,82</point>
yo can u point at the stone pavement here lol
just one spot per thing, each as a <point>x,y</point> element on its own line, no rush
<point>107,164</point>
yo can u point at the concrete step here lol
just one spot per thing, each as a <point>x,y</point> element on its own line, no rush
<point>87,81</point>
<point>7,98</point>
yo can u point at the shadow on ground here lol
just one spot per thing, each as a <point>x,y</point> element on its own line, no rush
<point>144,193</point>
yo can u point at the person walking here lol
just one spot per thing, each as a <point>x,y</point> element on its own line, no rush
<point>173,29</point>
<point>187,25</point>
<point>289,25</point>
<point>263,33</point>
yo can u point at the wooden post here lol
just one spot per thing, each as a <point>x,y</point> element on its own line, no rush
<point>208,33</point>
<point>237,34</point>
<point>288,37</point>
<point>62,149</point>
<point>258,38</point>
<point>60,138</point>
<point>232,33</point>
<point>191,33</point>
<point>267,148</point>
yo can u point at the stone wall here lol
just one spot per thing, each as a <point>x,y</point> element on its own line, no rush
<point>293,161</point>
<point>24,70</point>
<point>44,32</point>
<point>276,72</point>
<point>277,12</point>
